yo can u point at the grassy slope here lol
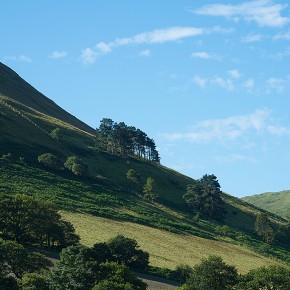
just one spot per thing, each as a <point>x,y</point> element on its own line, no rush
<point>166,249</point>
<point>110,195</point>
<point>275,202</point>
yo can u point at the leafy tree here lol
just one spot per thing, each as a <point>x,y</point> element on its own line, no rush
<point>212,274</point>
<point>33,281</point>
<point>76,165</point>
<point>103,252</point>
<point>49,160</point>
<point>126,250</point>
<point>118,277</point>
<point>266,278</point>
<point>204,195</point>
<point>182,273</point>
<point>264,229</point>
<point>149,189</point>
<point>284,233</point>
<point>16,260</point>
<point>77,269</point>
<point>26,219</point>
<point>134,177</point>
<point>55,134</point>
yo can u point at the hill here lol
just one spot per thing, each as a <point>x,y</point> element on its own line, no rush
<point>106,196</point>
<point>275,202</point>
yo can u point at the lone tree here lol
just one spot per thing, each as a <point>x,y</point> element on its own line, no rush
<point>149,189</point>
<point>204,195</point>
<point>76,165</point>
<point>212,274</point>
<point>55,134</point>
<point>264,229</point>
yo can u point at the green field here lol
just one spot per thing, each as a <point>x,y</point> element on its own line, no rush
<point>166,249</point>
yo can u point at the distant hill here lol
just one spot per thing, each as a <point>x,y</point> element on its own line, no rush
<point>27,119</point>
<point>275,202</point>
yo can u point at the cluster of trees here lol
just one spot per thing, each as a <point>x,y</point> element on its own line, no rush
<point>265,229</point>
<point>73,163</point>
<point>118,138</point>
<point>105,266</point>
<point>204,196</point>
<point>29,220</point>
<point>214,274</point>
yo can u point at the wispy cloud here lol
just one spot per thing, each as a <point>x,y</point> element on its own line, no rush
<point>223,130</point>
<point>235,74</point>
<point>145,53</point>
<point>252,38</point>
<point>157,36</point>
<point>224,83</point>
<point>21,58</point>
<point>277,85</point>
<point>201,82</point>
<point>263,12</point>
<point>203,55</point>
<point>58,54</point>
<point>88,56</point>
<point>285,35</point>
<point>249,84</point>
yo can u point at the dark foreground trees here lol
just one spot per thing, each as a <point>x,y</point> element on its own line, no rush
<point>212,274</point>
<point>79,269</point>
<point>26,219</point>
<point>204,196</point>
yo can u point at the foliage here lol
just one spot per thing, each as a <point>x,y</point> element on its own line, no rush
<point>212,274</point>
<point>126,250</point>
<point>118,138</point>
<point>267,278</point>
<point>33,281</point>
<point>264,229</point>
<point>204,195</point>
<point>133,177</point>
<point>49,160</point>
<point>149,189</point>
<point>16,260</point>
<point>118,277</point>
<point>55,134</point>
<point>76,270</point>
<point>27,219</point>
<point>76,165</point>
<point>182,273</point>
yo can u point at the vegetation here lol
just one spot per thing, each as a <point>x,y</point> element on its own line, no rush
<point>29,220</point>
<point>264,229</point>
<point>150,190</point>
<point>204,195</point>
<point>49,160</point>
<point>76,166</point>
<point>118,138</point>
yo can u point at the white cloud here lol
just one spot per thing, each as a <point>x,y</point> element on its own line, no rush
<point>249,84</point>
<point>278,130</point>
<point>252,38</point>
<point>203,55</point>
<point>284,35</point>
<point>223,83</point>
<point>235,157</point>
<point>263,12</point>
<point>277,85</point>
<point>58,54</point>
<point>201,82</point>
<point>88,56</point>
<point>145,53</point>
<point>21,58</point>
<point>235,74</point>
<point>103,47</point>
<point>223,129</point>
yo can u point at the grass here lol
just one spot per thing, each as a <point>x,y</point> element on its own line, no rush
<point>275,202</point>
<point>166,249</point>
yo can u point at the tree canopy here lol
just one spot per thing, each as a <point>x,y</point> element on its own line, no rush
<point>29,220</point>
<point>204,195</point>
<point>118,138</point>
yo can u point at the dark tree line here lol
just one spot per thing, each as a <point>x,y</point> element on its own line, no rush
<point>118,138</point>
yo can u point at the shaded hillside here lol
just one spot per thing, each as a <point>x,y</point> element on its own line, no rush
<point>275,202</point>
<point>105,191</point>
<point>13,86</point>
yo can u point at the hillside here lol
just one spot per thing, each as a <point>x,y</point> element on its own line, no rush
<point>275,202</point>
<point>105,195</point>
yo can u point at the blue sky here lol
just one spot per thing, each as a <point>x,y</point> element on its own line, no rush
<point>209,81</point>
